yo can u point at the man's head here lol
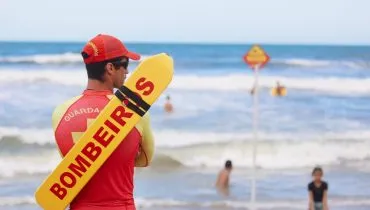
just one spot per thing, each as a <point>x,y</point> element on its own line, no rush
<point>168,98</point>
<point>228,165</point>
<point>106,59</point>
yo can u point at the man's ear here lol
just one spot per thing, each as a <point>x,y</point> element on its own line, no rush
<point>109,69</point>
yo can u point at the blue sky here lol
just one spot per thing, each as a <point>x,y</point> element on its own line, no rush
<point>235,21</point>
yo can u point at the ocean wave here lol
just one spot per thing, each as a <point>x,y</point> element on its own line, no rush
<point>14,137</point>
<point>13,144</point>
<point>149,203</point>
<point>43,162</point>
<point>274,204</point>
<point>273,155</point>
<point>75,58</point>
<point>317,63</point>
<point>245,82</point>
<point>231,82</point>
<point>64,58</point>
<point>44,58</point>
<point>297,63</point>
<point>13,201</point>
<point>21,154</point>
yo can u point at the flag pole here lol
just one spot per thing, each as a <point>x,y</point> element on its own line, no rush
<point>255,135</point>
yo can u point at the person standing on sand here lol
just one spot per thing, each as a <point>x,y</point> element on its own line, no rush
<point>317,191</point>
<point>168,108</point>
<point>106,60</point>
<point>223,178</point>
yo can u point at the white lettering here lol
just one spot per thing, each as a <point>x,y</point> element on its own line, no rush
<point>76,112</point>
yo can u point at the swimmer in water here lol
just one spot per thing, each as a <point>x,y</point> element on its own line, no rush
<point>279,89</point>
<point>317,191</point>
<point>223,178</point>
<point>168,106</point>
<point>253,90</point>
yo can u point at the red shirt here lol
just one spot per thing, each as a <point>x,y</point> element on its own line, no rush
<point>112,185</point>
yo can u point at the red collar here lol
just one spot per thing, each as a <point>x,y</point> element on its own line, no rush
<point>97,92</point>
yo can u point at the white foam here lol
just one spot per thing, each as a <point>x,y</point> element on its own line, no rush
<point>44,162</point>
<point>12,201</point>
<point>277,153</point>
<point>321,63</point>
<point>304,62</point>
<point>29,135</point>
<point>146,203</point>
<point>275,150</point>
<point>175,138</point>
<point>222,83</point>
<point>71,58</point>
<point>245,82</point>
<point>63,58</point>
<point>44,58</point>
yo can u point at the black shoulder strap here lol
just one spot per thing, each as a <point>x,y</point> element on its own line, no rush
<point>129,104</point>
<point>135,98</point>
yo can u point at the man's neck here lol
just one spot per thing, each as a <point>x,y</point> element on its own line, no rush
<point>93,84</point>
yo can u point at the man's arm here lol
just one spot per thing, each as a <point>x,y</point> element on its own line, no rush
<point>146,152</point>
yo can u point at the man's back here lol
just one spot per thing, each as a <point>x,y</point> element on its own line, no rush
<point>112,185</point>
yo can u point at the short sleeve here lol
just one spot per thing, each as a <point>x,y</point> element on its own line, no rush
<point>325,186</point>
<point>147,143</point>
<point>310,187</point>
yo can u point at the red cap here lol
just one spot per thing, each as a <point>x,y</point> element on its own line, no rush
<point>105,47</point>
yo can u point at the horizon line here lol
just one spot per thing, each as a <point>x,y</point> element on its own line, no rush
<point>197,42</point>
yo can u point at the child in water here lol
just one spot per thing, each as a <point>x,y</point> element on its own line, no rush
<point>317,189</point>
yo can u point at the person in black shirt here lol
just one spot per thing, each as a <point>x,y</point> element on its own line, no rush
<point>317,190</point>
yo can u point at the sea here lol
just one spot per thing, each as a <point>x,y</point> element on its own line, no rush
<point>324,120</point>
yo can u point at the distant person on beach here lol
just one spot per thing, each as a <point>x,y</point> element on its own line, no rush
<point>223,178</point>
<point>106,61</point>
<point>168,105</point>
<point>317,191</point>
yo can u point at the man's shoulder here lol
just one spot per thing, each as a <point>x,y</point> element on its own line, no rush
<point>61,109</point>
<point>66,104</point>
<point>69,101</point>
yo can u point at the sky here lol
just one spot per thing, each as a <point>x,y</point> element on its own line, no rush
<point>210,21</point>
